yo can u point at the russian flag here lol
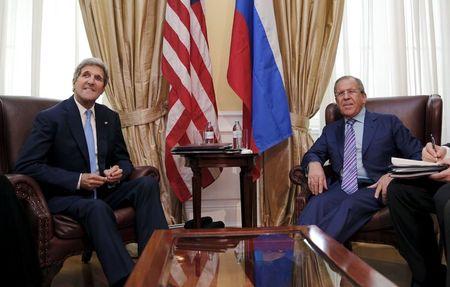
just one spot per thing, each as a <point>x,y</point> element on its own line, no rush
<point>255,74</point>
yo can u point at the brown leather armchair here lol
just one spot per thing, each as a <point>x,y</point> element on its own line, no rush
<point>58,236</point>
<point>422,115</point>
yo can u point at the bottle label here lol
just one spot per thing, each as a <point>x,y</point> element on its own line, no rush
<point>209,135</point>
<point>237,134</point>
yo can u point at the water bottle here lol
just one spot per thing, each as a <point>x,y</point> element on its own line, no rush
<point>209,133</point>
<point>237,135</point>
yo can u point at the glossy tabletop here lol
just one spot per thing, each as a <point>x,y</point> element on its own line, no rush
<point>278,256</point>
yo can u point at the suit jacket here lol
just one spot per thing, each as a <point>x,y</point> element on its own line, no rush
<point>56,152</point>
<point>384,136</point>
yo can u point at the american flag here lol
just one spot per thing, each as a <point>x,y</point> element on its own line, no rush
<point>187,67</point>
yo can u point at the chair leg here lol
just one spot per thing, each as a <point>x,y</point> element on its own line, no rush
<point>87,255</point>
<point>48,273</point>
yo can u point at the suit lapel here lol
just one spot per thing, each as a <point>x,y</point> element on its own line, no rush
<point>102,125</point>
<point>370,126</point>
<point>340,138</point>
<point>76,127</point>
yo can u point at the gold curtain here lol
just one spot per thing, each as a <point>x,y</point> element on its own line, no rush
<point>127,36</point>
<point>308,32</point>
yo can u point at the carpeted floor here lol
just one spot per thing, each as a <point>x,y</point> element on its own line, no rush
<point>386,260</point>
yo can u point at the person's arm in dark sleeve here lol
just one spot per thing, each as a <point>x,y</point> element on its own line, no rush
<point>318,152</point>
<point>409,146</point>
<point>32,160</point>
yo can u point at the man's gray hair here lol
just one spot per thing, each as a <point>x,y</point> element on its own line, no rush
<point>91,62</point>
<point>358,82</point>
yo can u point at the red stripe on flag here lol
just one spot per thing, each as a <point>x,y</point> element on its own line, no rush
<point>181,11</point>
<point>172,37</point>
<point>176,181</point>
<point>186,117</point>
<point>180,91</point>
<point>239,77</point>
<point>199,65</point>
<point>203,74</point>
<point>197,9</point>
<point>178,130</point>
<point>239,73</point>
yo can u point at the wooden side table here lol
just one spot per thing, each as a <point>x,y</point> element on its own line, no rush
<point>198,160</point>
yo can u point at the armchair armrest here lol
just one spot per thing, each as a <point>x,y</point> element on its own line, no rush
<point>298,177</point>
<point>30,195</point>
<point>144,171</point>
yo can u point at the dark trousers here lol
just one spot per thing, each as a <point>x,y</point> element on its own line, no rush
<point>410,204</point>
<point>97,218</point>
<point>17,245</point>
<point>339,214</point>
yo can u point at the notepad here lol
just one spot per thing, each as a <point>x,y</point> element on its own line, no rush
<point>397,161</point>
<point>408,168</point>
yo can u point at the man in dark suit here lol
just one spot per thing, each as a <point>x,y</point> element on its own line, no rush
<point>359,148</point>
<point>77,153</point>
<point>411,202</point>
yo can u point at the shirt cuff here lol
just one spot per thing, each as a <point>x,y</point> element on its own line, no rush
<point>447,154</point>
<point>79,182</point>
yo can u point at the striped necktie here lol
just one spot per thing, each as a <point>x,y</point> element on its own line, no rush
<point>350,170</point>
<point>89,134</point>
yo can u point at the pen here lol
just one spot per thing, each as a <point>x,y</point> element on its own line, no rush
<point>433,144</point>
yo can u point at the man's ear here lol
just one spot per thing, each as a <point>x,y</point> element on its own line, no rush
<point>365,98</point>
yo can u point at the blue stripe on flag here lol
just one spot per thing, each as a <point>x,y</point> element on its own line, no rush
<point>194,1</point>
<point>246,7</point>
<point>271,120</point>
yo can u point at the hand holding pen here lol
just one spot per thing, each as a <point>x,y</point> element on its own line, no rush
<point>432,152</point>
<point>433,145</point>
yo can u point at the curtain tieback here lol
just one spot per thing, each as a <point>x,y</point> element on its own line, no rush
<point>141,116</point>
<point>299,122</point>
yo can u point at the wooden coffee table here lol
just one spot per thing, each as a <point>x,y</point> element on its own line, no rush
<point>276,256</point>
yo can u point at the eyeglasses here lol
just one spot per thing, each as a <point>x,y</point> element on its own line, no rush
<point>351,92</point>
